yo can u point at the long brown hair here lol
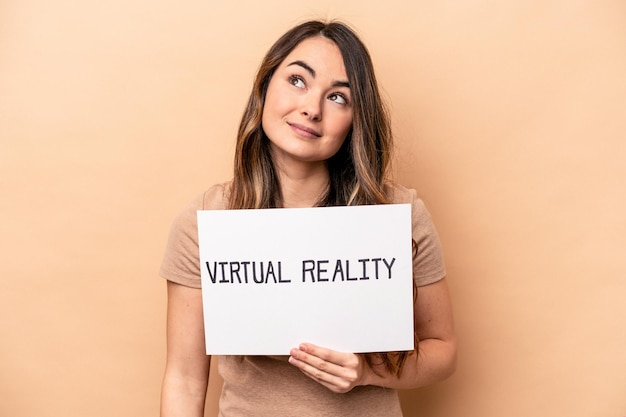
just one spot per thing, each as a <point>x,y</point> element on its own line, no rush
<point>357,172</point>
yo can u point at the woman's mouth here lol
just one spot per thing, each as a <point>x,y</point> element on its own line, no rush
<point>305,131</point>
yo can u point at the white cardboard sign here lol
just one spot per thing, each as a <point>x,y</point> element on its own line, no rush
<point>338,277</point>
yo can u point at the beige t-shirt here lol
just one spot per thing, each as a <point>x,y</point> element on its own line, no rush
<point>268,385</point>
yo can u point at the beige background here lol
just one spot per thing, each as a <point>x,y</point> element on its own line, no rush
<point>510,121</point>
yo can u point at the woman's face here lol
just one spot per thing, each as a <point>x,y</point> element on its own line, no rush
<point>308,110</point>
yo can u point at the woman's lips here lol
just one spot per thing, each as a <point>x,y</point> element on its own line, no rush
<point>304,131</point>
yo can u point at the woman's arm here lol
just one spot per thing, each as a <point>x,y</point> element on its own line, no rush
<point>187,368</point>
<point>340,372</point>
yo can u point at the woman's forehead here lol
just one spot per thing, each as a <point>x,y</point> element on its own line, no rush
<point>319,54</point>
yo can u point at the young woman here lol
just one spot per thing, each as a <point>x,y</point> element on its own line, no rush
<point>314,133</point>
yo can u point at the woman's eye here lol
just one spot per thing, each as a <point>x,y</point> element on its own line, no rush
<point>338,98</point>
<point>296,81</point>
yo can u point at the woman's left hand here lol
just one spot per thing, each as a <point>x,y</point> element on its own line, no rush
<point>337,371</point>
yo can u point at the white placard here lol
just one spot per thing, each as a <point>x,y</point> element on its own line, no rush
<point>338,277</point>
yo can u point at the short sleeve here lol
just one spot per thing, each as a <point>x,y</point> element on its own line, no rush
<point>181,261</point>
<point>428,262</point>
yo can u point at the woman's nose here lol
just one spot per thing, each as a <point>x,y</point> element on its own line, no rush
<point>311,107</point>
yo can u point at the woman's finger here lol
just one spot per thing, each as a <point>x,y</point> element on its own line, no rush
<point>338,371</point>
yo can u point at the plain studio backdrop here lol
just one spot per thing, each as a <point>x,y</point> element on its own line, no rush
<point>510,122</point>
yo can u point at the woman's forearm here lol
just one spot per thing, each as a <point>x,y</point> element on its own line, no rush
<point>435,362</point>
<point>182,396</point>
<point>187,368</point>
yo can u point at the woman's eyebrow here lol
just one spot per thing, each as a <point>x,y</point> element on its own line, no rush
<point>305,66</point>
<point>311,71</point>
<point>341,84</point>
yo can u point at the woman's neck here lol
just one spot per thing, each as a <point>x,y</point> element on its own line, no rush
<point>302,185</point>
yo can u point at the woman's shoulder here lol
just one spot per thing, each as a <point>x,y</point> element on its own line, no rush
<point>399,194</point>
<point>215,197</point>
